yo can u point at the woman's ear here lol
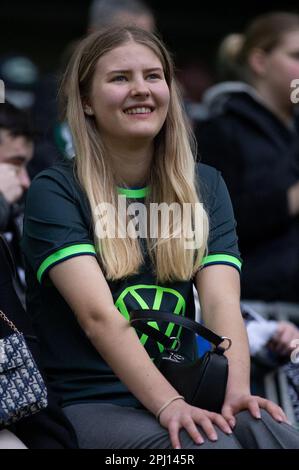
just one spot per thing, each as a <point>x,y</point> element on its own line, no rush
<point>258,62</point>
<point>87,108</point>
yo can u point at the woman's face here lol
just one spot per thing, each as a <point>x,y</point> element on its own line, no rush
<point>282,65</point>
<point>129,95</point>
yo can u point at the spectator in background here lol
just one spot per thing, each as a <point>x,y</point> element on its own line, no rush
<point>195,78</point>
<point>49,428</point>
<point>104,13</point>
<point>251,135</point>
<point>20,75</point>
<point>16,150</point>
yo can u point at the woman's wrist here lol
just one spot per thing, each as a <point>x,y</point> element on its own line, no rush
<point>235,390</point>
<point>176,397</point>
<point>237,387</point>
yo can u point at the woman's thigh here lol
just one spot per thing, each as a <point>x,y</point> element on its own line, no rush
<point>107,426</point>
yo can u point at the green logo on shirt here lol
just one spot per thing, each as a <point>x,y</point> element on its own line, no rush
<point>147,297</point>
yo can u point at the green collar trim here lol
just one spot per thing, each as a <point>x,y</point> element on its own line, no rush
<point>134,193</point>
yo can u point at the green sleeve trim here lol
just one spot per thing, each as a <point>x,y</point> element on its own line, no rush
<point>64,253</point>
<point>222,259</point>
<point>134,193</point>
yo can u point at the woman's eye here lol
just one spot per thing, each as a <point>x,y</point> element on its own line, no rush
<point>154,76</point>
<point>119,78</point>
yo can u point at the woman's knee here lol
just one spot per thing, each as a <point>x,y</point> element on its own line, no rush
<point>265,432</point>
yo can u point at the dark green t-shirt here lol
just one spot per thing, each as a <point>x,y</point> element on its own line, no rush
<point>58,226</point>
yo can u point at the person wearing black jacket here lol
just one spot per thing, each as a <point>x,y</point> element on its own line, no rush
<point>49,428</point>
<point>252,137</point>
<point>16,151</point>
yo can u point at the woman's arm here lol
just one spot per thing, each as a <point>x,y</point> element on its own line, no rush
<point>219,294</point>
<point>109,332</point>
<point>82,284</point>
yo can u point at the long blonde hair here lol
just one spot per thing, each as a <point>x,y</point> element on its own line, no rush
<point>172,176</point>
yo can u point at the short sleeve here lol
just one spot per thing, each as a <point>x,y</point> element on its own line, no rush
<point>223,240</point>
<point>56,223</point>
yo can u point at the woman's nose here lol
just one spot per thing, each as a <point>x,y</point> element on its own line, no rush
<point>140,87</point>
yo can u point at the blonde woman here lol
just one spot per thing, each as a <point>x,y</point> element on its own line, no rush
<point>90,262</point>
<point>251,134</point>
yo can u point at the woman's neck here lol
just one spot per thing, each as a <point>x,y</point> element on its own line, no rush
<point>132,166</point>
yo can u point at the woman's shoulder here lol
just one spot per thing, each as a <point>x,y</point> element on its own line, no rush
<point>210,183</point>
<point>207,175</point>
<point>61,175</point>
<point>55,184</point>
<point>63,169</point>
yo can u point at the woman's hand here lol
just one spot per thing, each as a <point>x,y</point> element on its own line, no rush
<point>180,415</point>
<point>281,342</point>
<point>233,404</point>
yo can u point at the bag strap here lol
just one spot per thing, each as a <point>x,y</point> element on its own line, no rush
<point>139,319</point>
<point>9,322</point>
<point>8,256</point>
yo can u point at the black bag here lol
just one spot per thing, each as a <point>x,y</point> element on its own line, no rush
<point>203,381</point>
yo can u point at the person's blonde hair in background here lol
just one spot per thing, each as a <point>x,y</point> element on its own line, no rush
<point>103,13</point>
<point>227,57</point>
<point>174,156</point>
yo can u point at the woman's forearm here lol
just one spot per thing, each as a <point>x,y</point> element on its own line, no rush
<point>118,344</point>
<point>226,320</point>
<point>219,293</point>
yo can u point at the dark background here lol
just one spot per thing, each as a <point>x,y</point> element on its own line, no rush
<point>192,29</point>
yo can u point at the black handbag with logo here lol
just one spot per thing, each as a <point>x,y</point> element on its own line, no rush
<point>203,381</point>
